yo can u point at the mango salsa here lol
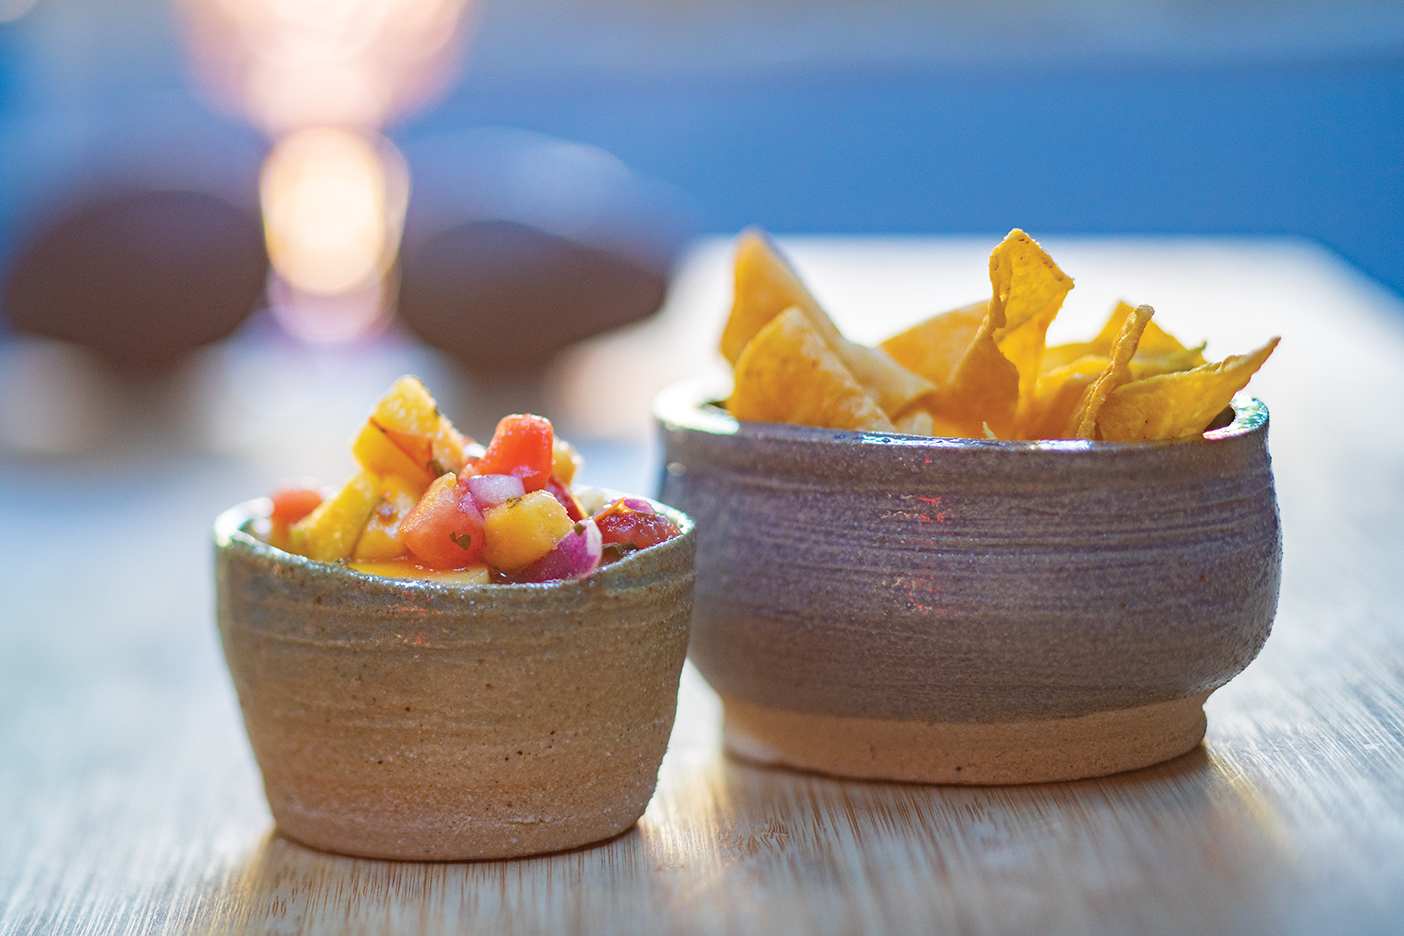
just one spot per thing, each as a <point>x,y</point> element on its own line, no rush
<point>523,529</point>
<point>429,503</point>
<point>330,531</point>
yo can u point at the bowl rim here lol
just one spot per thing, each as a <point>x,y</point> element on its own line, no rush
<point>230,532</point>
<point>689,405</point>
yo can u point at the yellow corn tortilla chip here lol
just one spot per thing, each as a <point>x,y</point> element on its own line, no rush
<point>1030,289</point>
<point>924,422</point>
<point>984,358</point>
<point>917,422</point>
<point>1057,395</point>
<point>1156,344</point>
<point>788,373</point>
<point>1060,389</point>
<point>1179,405</point>
<point>1142,366</point>
<point>984,390</point>
<point>974,383</point>
<point>1083,422</point>
<point>933,348</point>
<point>766,286</point>
<point>1152,365</point>
<point>1155,341</point>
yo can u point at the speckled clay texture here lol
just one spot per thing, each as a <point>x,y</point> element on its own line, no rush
<point>877,576</point>
<point>402,719</point>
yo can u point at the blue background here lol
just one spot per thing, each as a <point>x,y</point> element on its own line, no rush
<point>1311,149</point>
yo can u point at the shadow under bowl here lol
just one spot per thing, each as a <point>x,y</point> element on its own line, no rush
<point>396,718</point>
<point>970,611</point>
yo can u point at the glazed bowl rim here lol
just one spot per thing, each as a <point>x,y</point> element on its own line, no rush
<point>690,405</point>
<point>230,532</point>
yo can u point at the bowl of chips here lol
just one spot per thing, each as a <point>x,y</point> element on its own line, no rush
<point>962,572</point>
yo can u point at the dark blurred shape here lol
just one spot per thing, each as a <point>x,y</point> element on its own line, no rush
<point>517,245</point>
<point>500,294</point>
<point>140,278</point>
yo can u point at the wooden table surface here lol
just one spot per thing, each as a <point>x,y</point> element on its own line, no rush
<point>129,801</point>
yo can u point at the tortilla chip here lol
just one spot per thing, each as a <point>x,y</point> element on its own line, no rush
<point>789,374</point>
<point>917,422</point>
<point>1060,389</point>
<point>1153,365</point>
<point>1179,405</point>
<point>1030,289</point>
<point>984,390</point>
<point>1058,393</point>
<point>1083,422</point>
<point>1156,345</point>
<point>1155,341</point>
<point>766,286</point>
<point>924,422</point>
<point>984,358</point>
<point>933,349</point>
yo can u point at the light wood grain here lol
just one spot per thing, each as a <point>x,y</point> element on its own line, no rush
<point>129,802</point>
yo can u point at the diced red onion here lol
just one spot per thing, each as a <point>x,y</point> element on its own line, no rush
<point>575,556</point>
<point>634,503</point>
<point>491,490</point>
<point>467,502</point>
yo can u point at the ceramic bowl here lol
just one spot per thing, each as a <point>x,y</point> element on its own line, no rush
<point>970,611</point>
<point>394,718</point>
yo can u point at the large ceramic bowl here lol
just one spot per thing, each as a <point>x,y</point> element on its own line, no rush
<point>394,718</point>
<point>970,611</point>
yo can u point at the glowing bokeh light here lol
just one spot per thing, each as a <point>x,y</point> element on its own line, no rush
<point>11,10</point>
<point>333,202</point>
<point>321,77</point>
<point>290,64</point>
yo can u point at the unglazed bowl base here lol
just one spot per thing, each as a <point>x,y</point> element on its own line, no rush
<point>424,824</point>
<point>966,752</point>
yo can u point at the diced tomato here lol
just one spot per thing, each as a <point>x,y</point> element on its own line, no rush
<point>291,504</point>
<point>522,446</point>
<point>562,493</point>
<point>622,525</point>
<point>445,529</point>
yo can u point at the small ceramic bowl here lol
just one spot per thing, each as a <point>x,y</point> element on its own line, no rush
<point>394,718</point>
<point>970,611</point>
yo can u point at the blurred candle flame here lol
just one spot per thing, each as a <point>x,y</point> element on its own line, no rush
<point>320,77</point>
<point>290,64</point>
<point>333,202</point>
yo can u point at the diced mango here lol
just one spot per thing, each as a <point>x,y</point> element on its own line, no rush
<point>524,529</point>
<point>449,447</point>
<point>408,408</point>
<point>380,540</point>
<point>408,419</point>
<point>565,461</point>
<point>375,452</point>
<point>330,532</point>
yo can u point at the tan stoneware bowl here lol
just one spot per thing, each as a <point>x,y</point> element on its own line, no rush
<point>961,611</point>
<point>394,718</point>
